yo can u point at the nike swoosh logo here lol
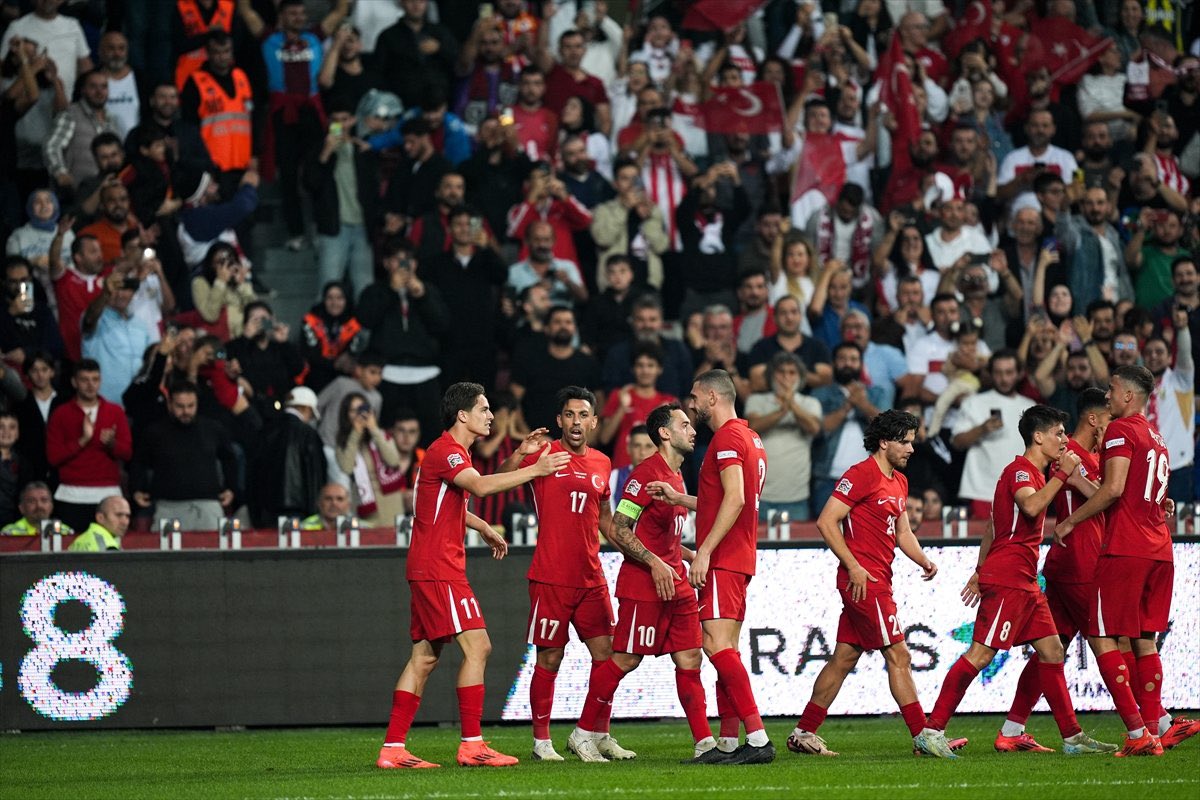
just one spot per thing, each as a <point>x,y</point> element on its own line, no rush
<point>541,716</point>
<point>562,474</point>
<point>884,500</point>
<point>702,606</point>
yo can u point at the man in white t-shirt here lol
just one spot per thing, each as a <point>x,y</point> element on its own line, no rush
<point>929,353</point>
<point>62,37</point>
<point>987,430</point>
<point>1169,409</point>
<point>952,244</point>
<point>124,105</point>
<point>1020,167</point>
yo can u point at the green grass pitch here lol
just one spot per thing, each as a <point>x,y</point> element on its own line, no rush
<point>875,761</point>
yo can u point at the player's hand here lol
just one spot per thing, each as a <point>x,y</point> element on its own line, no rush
<point>664,579</point>
<point>495,541</point>
<point>549,463</point>
<point>1169,507</point>
<point>970,592</point>
<point>664,492</point>
<point>142,499</point>
<point>533,442</point>
<point>108,436</point>
<point>1068,462</point>
<point>1061,531</point>
<point>698,574</point>
<point>859,578</point>
<point>928,571</point>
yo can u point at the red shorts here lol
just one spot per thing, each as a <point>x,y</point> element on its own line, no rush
<point>1130,596</point>
<point>552,607</point>
<point>1009,616</point>
<point>442,609</point>
<point>870,623</point>
<point>657,627</point>
<point>1069,606</point>
<point>723,595</point>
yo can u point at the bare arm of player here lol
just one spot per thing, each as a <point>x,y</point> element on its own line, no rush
<point>830,526</point>
<point>620,533</point>
<point>530,445</point>
<point>687,553</point>
<point>970,592</point>
<point>494,540</point>
<point>906,540</point>
<point>488,485</point>
<point>1033,503</point>
<point>1116,469</point>
<point>661,490</point>
<point>732,501</point>
<point>1084,486</point>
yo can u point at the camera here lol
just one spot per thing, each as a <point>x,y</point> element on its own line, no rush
<point>131,284</point>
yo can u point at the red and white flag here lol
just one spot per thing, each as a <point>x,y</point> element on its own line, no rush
<point>896,92</point>
<point>718,15</point>
<point>1069,50</point>
<point>756,108</point>
<point>821,166</point>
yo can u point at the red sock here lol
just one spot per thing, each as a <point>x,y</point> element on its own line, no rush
<point>606,677</point>
<point>1147,689</point>
<point>1029,689</point>
<point>958,679</point>
<point>541,700</point>
<point>737,683</point>
<point>1116,678</point>
<point>691,697</point>
<point>812,717</point>
<point>1054,686</point>
<point>1131,662</point>
<point>914,717</point>
<point>470,710</point>
<point>730,724</point>
<point>404,708</point>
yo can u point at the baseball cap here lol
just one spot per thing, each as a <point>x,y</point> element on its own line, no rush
<point>304,396</point>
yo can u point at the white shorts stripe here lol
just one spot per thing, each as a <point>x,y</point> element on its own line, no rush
<point>1100,612</point>
<point>883,631</point>
<point>453,610</point>
<point>532,623</point>
<point>632,628</point>
<point>712,576</point>
<point>995,621</point>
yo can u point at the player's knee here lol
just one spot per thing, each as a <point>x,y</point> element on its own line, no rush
<point>688,659</point>
<point>845,661</point>
<point>550,658</point>
<point>423,663</point>
<point>898,657</point>
<point>1049,650</point>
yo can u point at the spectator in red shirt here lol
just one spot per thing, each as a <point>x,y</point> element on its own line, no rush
<point>86,439</point>
<point>568,79</point>
<point>537,126</point>
<point>632,404</point>
<point>76,287</point>
<point>548,200</point>
<point>914,36</point>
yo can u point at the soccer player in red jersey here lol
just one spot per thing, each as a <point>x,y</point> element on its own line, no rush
<point>1012,610</point>
<point>659,613</point>
<point>1130,593</point>
<point>566,582</point>
<point>863,523</point>
<point>443,605</point>
<point>726,506</point>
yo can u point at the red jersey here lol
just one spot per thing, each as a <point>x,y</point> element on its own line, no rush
<point>1076,562</point>
<point>568,508</point>
<point>733,444</point>
<point>561,86</point>
<point>659,526</point>
<point>436,551</point>
<point>1135,523</point>
<point>75,292</point>
<point>642,406</point>
<point>876,502</point>
<point>1012,560</point>
<point>537,132</point>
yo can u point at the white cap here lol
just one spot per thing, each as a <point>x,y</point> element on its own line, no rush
<point>304,396</point>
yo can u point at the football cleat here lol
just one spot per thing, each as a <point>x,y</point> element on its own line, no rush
<point>714,755</point>
<point>400,758</point>
<point>1145,745</point>
<point>1021,743</point>
<point>585,747</point>
<point>1181,728</point>
<point>478,754</point>
<point>612,750</point>
<point>749,754</point>
<point>1081,744</point>
<point>543,750</point>
<point>807,743</point>
<point>933,743</point>
<point>955,746</point>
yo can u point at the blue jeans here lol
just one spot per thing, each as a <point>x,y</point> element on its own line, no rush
<point>797,511</point>
<point>349,251</point>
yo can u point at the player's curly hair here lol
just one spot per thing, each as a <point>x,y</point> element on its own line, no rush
<point>890,426</point>
<point>459,397</point>
<point>1039,418</point>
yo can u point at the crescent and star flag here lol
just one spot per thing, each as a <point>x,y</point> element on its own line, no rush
<point>821,166</point>
<point>1069,49</point>
<point>718,15</point>
<point>755,108</point>
<point>896,91</point>
<point>975,23</point>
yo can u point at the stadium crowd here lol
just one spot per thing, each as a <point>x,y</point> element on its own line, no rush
<point>956,210</point>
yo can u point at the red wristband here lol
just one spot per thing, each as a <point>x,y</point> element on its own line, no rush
<point>1062,476</point>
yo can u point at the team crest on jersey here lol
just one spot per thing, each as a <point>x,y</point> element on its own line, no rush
<point>726,454</point>
<point>758,443</point>
<point>844,486</point>
<point>597,482</point>
<point>1111,443</point>
<point>454,460</point>
<point>633,487</point>
<point>1022,476</point>
<point>1083,470</point>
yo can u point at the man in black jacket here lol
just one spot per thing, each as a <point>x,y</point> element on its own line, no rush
<point>708,233</point>
<point>265,357</point>
<point>185,465</point>
<point>290,467</point>
<point>414,53</point>
<point>406,317</point>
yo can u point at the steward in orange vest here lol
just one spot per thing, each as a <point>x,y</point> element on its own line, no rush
<point>220,98</point>
<point>193,27</point>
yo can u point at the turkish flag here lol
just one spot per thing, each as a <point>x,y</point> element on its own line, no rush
<point>896,91</point>
<point>755,108</point>
<point>821,166</point>
<point>1069,50</point>
<point>976,23</point>
<point>718,15</point>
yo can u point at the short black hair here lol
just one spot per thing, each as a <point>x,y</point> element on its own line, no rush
<point>80,240</point>
<point>942,297</point>
<point>752,272</point>
<point>638,429</point>
<point>1187,258</point>
<point>183,387</point>
<point>372,358</point>
<point>889,426</point>
<point>217,37</point>
<point>847,346</point>
<point>1039,419</point>
<point>1100,305</point>
<point>108,137</point>
<point>254,305</point>
<point>460,396</point>
<point>1137,377</point>
<point>659,418</point>
<point>853,194</point>
<point>1089,400</point>
<point>649,349</point>
<point>1045,180</point>
<point>87,365</point>
<point>569,393</point>
<point>395,245</point>
<point>1000,355</point>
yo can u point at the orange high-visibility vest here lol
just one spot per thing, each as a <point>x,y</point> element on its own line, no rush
<point>194,25</point>
<point>224,120</point>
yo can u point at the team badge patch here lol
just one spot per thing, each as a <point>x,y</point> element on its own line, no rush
<point>633,487</point>
<point>1111,443</point>
<point>844,486</point>
<point>726,454</point>
<point>454,460</point>
<point>1022,476</point>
